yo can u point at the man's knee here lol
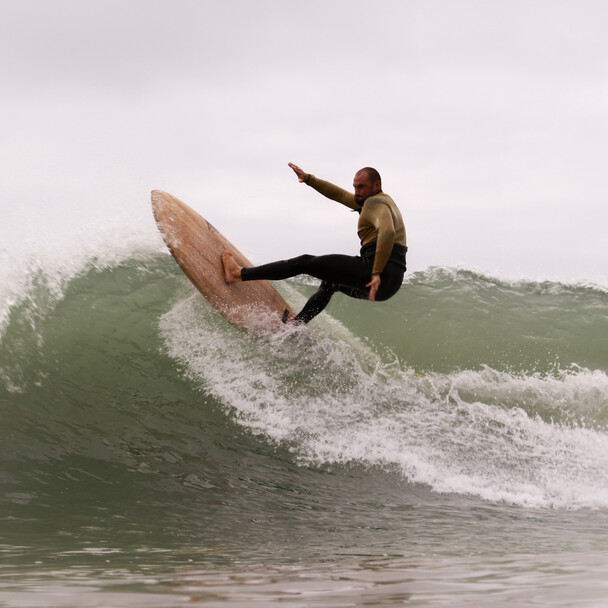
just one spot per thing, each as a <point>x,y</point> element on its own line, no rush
<point>328,287</point>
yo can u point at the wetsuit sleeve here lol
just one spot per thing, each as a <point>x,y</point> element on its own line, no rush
<point>335,193</point>
<point>383,220</point>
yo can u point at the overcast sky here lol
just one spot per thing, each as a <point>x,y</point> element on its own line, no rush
<point>487,120</point>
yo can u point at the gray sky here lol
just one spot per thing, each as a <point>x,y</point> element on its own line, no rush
<point>487,120</point>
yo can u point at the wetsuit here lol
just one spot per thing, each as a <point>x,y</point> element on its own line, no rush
<point>383,248</point>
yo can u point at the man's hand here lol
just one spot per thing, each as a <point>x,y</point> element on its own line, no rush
<point>301,174</point>
<point>373,285</point>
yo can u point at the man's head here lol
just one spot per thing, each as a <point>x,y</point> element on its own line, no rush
<point>366,183</point>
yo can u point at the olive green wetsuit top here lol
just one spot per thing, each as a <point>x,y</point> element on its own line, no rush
<point>380,220</point>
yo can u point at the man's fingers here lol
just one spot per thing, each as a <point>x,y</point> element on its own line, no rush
<point>301,174</point>
<point>373,285</point>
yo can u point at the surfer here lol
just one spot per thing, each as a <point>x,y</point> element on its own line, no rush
<point>375,274</point>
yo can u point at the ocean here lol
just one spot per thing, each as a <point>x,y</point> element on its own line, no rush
<point>448,447</point>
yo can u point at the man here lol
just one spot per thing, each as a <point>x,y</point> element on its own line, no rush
<point>376,274</point>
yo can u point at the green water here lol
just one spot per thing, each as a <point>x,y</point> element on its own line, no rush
<point>446,447</point>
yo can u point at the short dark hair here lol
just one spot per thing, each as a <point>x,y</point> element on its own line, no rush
<point>372,174</point>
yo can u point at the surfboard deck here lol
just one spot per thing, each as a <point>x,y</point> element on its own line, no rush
<point>197,246</point>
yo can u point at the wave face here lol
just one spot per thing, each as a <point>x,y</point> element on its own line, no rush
<point>461,384</point>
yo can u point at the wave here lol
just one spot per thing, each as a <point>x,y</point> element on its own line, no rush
<point>462,383</point>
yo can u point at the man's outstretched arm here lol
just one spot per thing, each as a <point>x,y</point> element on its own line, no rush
<point>335,193</point>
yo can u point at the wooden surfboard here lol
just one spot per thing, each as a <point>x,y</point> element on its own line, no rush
<point>197,246</point>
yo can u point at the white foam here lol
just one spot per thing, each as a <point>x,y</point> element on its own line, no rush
<point>481,433</point>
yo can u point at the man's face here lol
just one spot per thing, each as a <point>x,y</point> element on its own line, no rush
<point>364,187</point>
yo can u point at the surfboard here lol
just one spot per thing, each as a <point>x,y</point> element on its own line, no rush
<point>197,246</point>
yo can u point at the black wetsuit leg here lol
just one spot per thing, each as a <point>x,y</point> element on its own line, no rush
<point>347,274</point>
<point>317,302</point>
<point>343,269</point>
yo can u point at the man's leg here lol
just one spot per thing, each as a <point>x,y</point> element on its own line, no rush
<point>276,271</point>
<point>320,299</point>
<point>344,270</point>
<point>347,274</point>
<point>317,302</point>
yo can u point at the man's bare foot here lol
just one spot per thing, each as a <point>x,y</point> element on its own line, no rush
<point>232,271</point>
